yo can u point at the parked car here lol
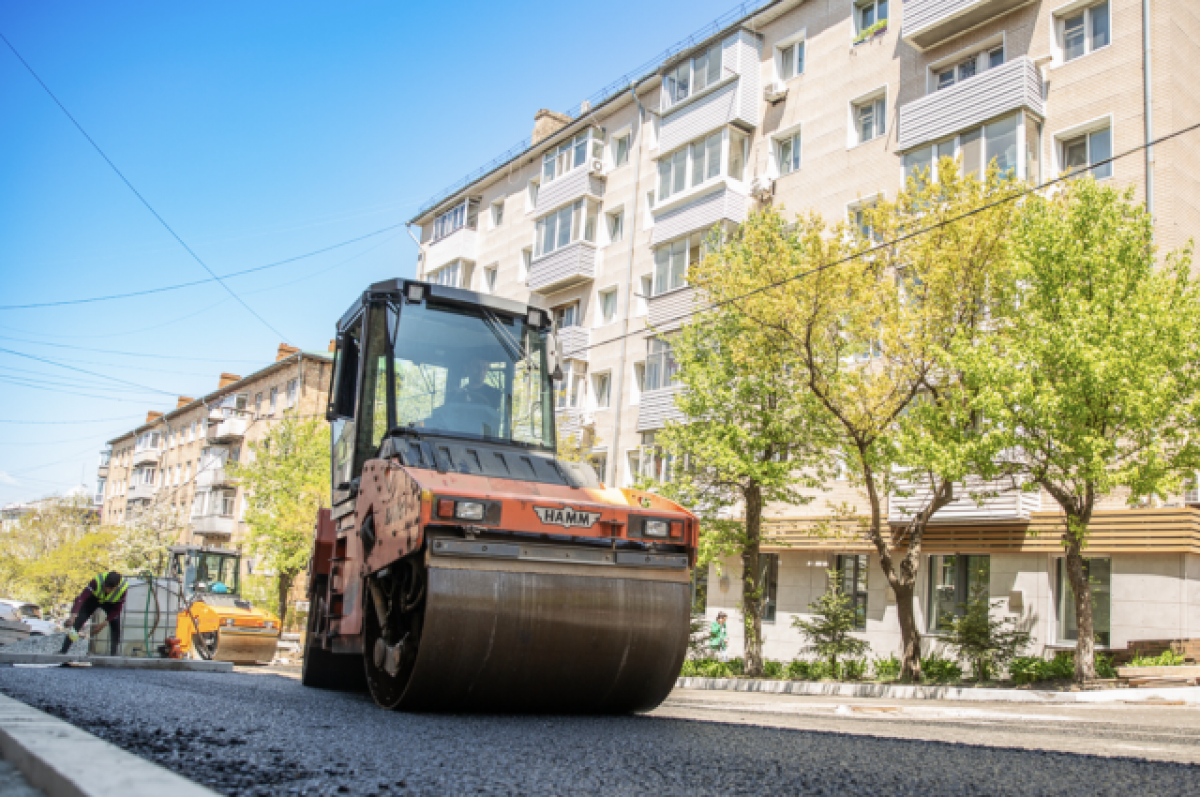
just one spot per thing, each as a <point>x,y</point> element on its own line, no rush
<point>31,615</point>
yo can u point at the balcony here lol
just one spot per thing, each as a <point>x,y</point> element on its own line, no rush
<point>563,268</point>
<point>928,23</point>
<point>213,476</point>
<point>665,311</point>
<point>1000,90</point>
<point>657,407</point>
<point>994,502</point>
<point>734,97</point>
<point>571,421</point>
<point>462,244</point>
<point>700,211</point>
<point>227,425</point>
<point>575,184</point>
<point>214,525</point>
<point>141,492</point>
<point>146,456</point>
<point>575,341</point>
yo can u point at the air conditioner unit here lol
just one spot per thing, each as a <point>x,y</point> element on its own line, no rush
<point>774,91</point>
<point>763,188</point>
<point>596,166</point>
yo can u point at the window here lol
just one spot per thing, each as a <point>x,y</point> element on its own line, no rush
<point>489,279</point>
<point>787,153</point>
<point>633,464</point>
<point>608,306</point>
<point>602,389</point>
<point>869,16</point>
<point>1085,31</point>
<point>526,262</point>
<point>647,285</point>
<point>573,387</point>
<point>620,150</point>
<point>671,262</point>
<point>497,213</point>
<point>274,398</point>
<point>953,581</point>
<point>661,368</point>
<point>852,575</point>
<point>616,226</point>
<point>292,387</point>
<point>701,160</point>
<point>790,60</point>
<point>639,382</point>
<point>559,228</point>
<point>599,462</point>
<point>567,315</point>
<point>869,119</point>
<point>566,156</point>
<point>1080,152</point>
<point>656,462</point>
<point>860,214</point>
<point>738,146</point>
<point>969,67</point>
<point>257,404</point>
<point>531,194</point>
<point>454,219</point>
<point>692,76</point>
<point>978,148</point>
<point>451,276</point>
<point>1099,575</point>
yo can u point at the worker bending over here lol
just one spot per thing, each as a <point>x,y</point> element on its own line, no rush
<point>106,591</point>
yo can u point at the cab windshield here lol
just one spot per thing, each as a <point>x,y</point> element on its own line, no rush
<point>201,571</point>
<point>466,372</point>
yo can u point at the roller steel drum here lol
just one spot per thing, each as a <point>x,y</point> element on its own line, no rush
<point>548,637</point>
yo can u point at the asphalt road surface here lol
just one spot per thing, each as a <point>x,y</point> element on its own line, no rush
<point>261,733</point>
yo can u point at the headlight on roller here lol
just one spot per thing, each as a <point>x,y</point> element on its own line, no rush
<point>228,621</point>
<point>269,624</point>
<point>657,528</point>
<point>468,510</point>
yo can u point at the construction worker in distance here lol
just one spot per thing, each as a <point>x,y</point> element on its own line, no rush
<point>106,591</point>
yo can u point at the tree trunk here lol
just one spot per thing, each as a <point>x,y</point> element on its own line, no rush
<point>752,597</point>
<point>285,587</point>
<point>910,635</point>
<point>1085,646</point>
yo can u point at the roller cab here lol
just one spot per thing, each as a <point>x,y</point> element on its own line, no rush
<point>463,565</point>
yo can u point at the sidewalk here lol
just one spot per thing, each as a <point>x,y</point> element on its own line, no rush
<point>1187,694</point>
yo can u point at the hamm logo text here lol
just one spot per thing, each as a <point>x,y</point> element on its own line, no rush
<point>566,517</point>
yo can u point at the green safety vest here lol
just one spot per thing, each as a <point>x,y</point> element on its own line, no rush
<point>110,597</point>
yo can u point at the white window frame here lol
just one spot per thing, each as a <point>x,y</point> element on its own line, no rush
<point>980,51</point>
<point>490,274</point>
<point>531,194</point>
<point>1021,165</point>
<point>623,134</point>
<point>689,162</point>
<point>670,94</point>
<point>597,378</point>
<point>860,204</point>
<point>638,381</point>
<point>614,226</point>
<point>578,214</point>
<point>293,389</point>
<point>693,250</point>
<point>798,43</point>
<point>794,138</point>
<point>645,291</point>
<point>878,99</point>
<point>1061,137</point>
<point>496,213</point>
<point>608,290</point>
<point>564,157</point>
<point>1058,44</point>
<point>856,15</point>
<point>461,270</point>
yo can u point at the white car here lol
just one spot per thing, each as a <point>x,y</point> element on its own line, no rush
<point>31,615</point>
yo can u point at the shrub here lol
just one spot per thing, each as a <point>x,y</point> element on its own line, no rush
<point>1168,658</point>
<point>1104,667</point>
<point>938,670</point>
<point>829,632</point>
<point>772,669</point>
<point>1032,669</point>
<point>984,642</point>
<point>854,669</point>
<point>886,669</point>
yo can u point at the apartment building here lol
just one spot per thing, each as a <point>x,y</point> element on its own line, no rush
<point>176,461</point>
<point>830,106</point>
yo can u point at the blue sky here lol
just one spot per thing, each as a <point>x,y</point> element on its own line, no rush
<point>259,132</point>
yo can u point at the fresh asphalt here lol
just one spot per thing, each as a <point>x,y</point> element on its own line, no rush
<point>261,733</point>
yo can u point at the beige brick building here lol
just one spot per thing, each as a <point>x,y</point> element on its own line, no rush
<point>827,105</point>
<point>177,459</point>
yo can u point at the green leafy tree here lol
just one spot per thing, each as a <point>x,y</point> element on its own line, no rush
<point>286,481</point>
<point>830,633</point>
<point>745,434</point>
<point>984,642</point>
<point>866,329</point>
<point>1093,372</point>
<point>49,554</point>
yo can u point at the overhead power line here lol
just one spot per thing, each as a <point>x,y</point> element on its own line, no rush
<point>85,371</point>
<point>60,423</point>
<point>133,353</point>
<point>894,241</point>
<point>137,193</point>
<point>193,283</point>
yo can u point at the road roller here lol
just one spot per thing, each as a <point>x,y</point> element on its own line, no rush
<point>463,565</point>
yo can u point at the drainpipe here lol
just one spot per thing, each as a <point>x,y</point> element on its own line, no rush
<point>1148,103</point>
<point>420,262</point>
<point>637,172</point>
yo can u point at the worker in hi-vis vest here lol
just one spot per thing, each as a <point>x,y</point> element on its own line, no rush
<point>106,591</point>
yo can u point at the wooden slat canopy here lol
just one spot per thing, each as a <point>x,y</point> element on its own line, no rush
<point>1172,530</point>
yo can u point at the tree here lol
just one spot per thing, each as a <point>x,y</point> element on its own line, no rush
<point>47,555</point>
<point>744,437</point>
<point>1093,373</point>
<point>140,544</point>
<point>286,481</point>
<point>830,632</point>
<point>867,328</point>
<point>986,643</point>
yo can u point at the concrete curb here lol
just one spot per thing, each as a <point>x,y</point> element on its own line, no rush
<point>119,662</point>
<point>1188,694</point>
<point>64,761</point>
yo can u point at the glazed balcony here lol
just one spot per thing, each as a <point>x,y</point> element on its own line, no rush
<point>562,268</point>
<point>579,183</point>
<point>975,502</point>
<point>928,23</point>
